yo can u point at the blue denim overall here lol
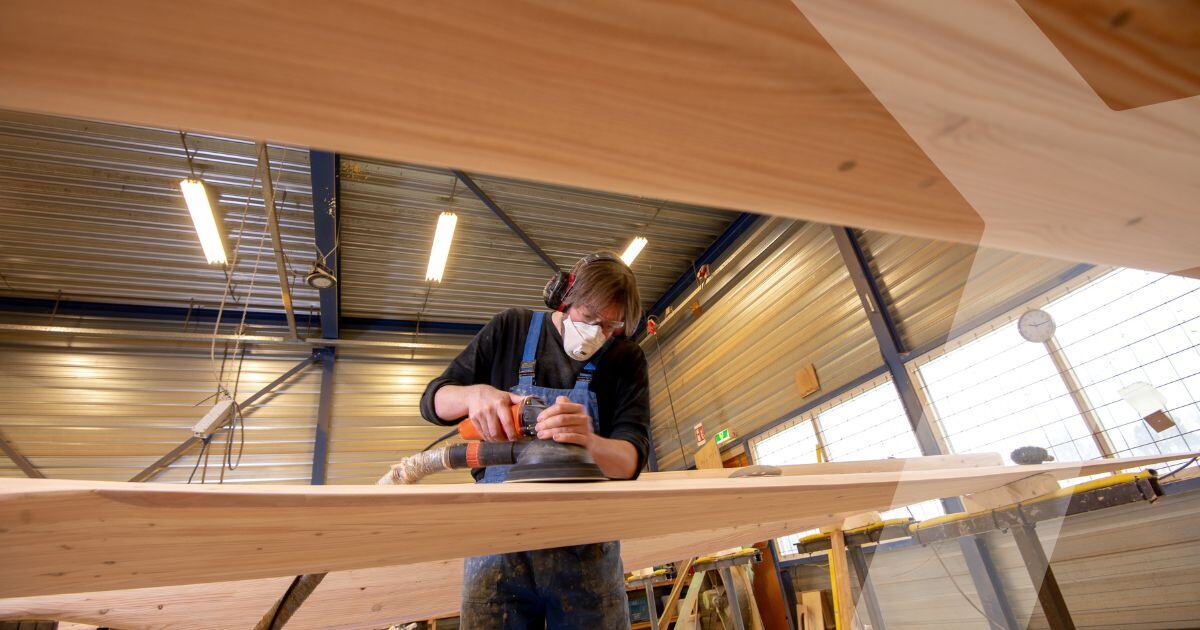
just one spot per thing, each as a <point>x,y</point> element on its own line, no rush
<point>566,587</point>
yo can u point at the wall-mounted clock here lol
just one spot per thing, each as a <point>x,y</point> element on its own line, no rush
<point>1036,326</point>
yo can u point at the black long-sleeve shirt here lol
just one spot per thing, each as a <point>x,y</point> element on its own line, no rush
<point>621,381</point>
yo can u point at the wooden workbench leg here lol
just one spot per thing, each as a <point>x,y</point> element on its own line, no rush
<point>844,615</point>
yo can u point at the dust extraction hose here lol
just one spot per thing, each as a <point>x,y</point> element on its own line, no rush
<point>414,468</point>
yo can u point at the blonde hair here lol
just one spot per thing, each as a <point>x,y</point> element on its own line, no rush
<point>602,279</point>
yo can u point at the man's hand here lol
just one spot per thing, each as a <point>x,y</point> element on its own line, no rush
<point>565,421</point>
<point>491,411</point>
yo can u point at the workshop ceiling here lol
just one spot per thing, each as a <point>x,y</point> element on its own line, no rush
<point>389,213</point>
<point>93,210</point>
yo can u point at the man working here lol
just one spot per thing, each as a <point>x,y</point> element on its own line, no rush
<point>578,359</point>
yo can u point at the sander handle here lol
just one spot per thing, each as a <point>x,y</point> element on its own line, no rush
<point>467,429</point>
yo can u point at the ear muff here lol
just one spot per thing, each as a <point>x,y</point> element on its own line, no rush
<point>556,290</point>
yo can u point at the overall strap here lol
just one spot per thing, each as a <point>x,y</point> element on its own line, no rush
<point>589,369</point>
<point>529,355</point>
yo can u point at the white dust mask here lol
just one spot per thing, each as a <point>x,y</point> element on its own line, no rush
<point>580,340</point>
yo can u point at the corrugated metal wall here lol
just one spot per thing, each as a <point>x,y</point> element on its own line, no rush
<point>107,408</point>
<point>376,408</point>
<point>1128,567</point>
<point>87,408</point>
<point>735,364</point>
<point>932,286</point>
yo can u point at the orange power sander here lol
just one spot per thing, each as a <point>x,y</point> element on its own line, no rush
<point>531,459</point>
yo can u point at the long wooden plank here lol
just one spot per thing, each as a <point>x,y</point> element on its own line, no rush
<point>742,105</point>
<point>60,536</point>
<point>895,464</point>
<point>365,598</point>
<point>378,597</point>
<point>738,105</point>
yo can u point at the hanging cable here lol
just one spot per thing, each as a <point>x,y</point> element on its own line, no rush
<point>199,457</point>
<point>990,620</point>
<point>652,328</point>
<point>417,330</point>
<point>331,210</point>
<point>231,270</point>
<point>186,154</point>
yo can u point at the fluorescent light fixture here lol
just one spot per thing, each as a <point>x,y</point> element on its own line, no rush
<point>635,247</point>
<point>441,246</point>
<point>200,205</point>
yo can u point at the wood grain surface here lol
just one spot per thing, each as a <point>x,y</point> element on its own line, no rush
<point>364,598</point>
<point>740,105</point>
<point>1047,164</point>
<point>80,536</point>
<point>1131,52</point>
<point>737,105</point>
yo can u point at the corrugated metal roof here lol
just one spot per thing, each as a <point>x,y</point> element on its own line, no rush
<point>94,210</point>
<point>389,213</point>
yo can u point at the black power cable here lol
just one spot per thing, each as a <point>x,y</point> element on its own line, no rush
<point>1189,463</point>
<point>652,326</point>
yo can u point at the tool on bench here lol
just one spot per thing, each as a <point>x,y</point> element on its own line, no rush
<point>531,459</point>
<point>1031,456</point>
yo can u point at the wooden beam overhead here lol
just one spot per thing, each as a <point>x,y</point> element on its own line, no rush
<point>739,105</point>
<point>1046,163</point>
<point>268,193</point>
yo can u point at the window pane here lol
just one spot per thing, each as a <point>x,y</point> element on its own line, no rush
<point>1134,326</point>
<point>796,444</point>
<point>1000,392</point>
<point>873,425</point>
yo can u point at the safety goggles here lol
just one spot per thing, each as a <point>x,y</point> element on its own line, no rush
<point>609,326</point>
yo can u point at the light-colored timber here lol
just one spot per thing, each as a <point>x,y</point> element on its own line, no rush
<point>363,598</point>
<point>740,105</point>
<point>1004,114</point>
<point>60,536</point>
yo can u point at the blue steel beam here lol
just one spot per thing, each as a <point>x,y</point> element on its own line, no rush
<point>74,308</point>
<point>886,336</point>
<point>326,200</point>
<point>983,571</point>
<point>508,220</point>
<point>320,462</point>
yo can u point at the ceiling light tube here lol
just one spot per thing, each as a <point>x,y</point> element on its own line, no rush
<point>441,246</point>
<point>202,207</point>
<point>635,247</point>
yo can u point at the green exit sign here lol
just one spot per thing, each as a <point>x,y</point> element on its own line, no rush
<point>723,436</point>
